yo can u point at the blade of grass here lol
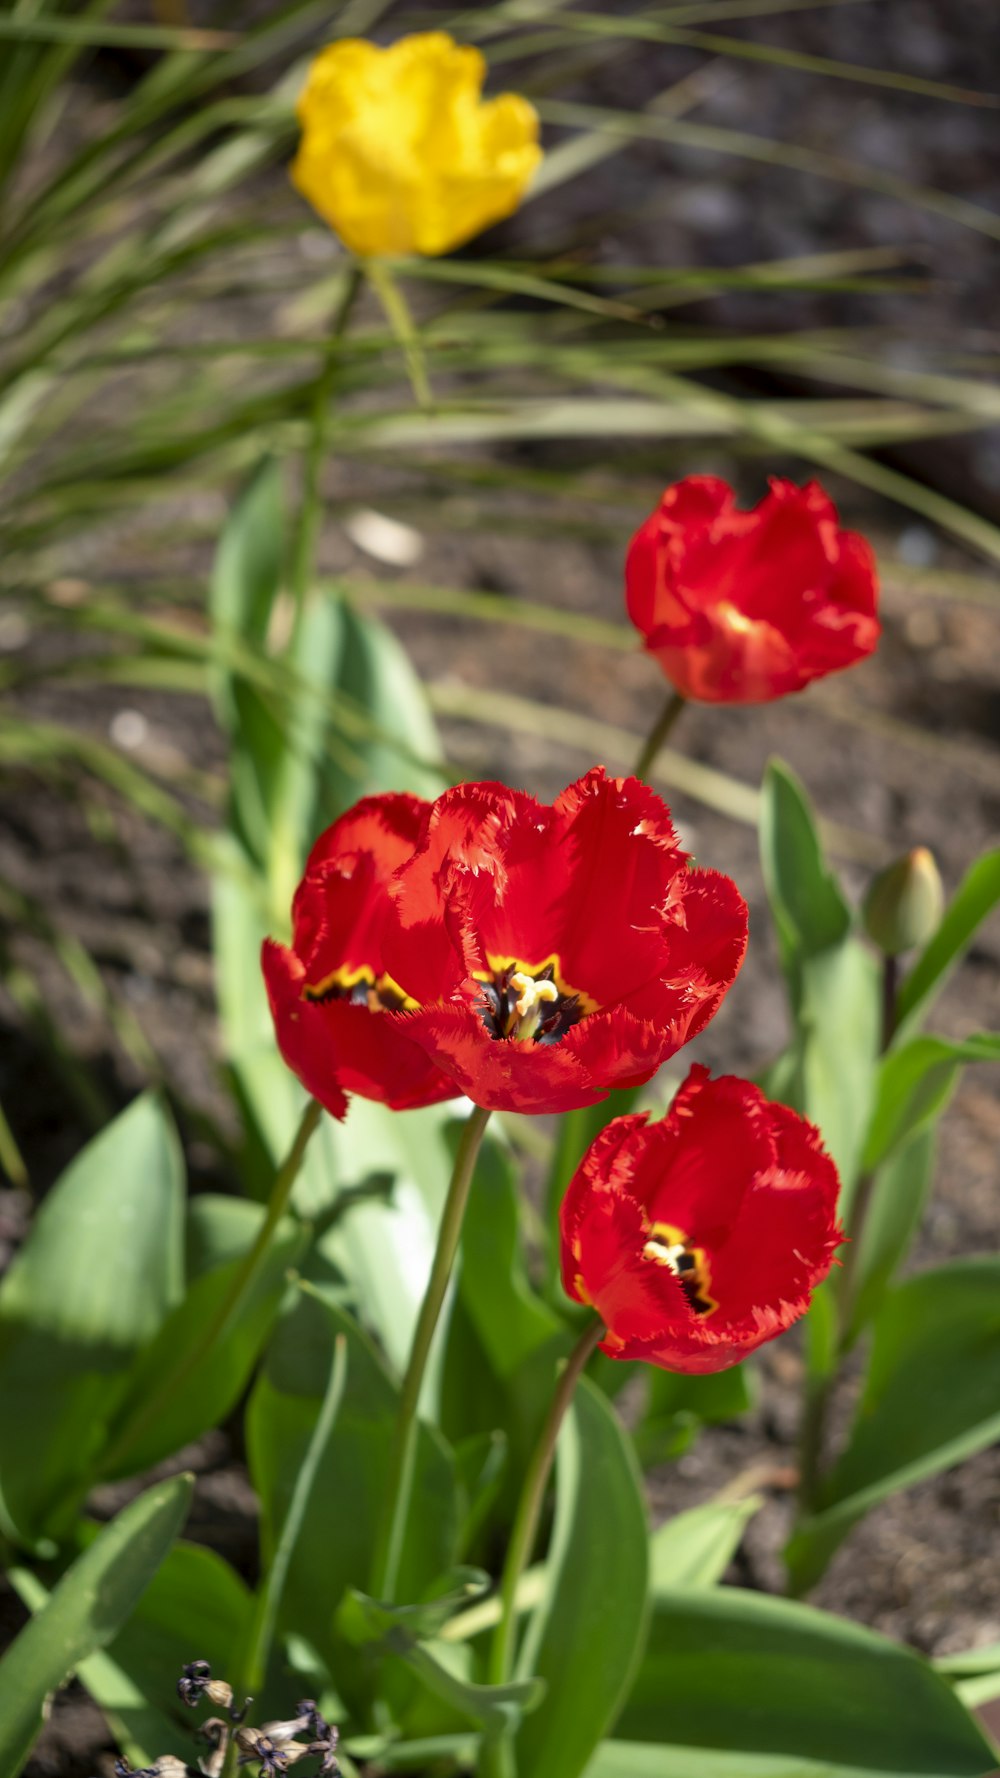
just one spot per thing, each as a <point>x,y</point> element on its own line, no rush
<point>660,31</point>
<point>744,146</point>
<point>715,790</point>
<point>112,35</point>
<point>271,1588</point>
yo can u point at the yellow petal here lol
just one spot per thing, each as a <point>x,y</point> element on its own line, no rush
<point>400,154</point>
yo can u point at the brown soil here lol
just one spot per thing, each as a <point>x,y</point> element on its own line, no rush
<point>905,751</point>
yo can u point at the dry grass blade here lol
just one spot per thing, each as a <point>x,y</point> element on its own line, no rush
<point>715,790</point>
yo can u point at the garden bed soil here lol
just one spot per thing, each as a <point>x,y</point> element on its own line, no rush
<point>903,751</point>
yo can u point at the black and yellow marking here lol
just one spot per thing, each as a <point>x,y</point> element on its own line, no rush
<point>362,987</point>
<point>669,1246</point>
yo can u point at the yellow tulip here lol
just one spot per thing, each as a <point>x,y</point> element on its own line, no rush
<point>400,154</point>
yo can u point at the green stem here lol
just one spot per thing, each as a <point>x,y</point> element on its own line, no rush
<point>812,1434</point>
<point>863,1192</point>
<point>243,1282</point>
<point>658,734</point>
<point>398,315</point>
<point>396,1505</point>
<point>890,991</point>
<point>309,518</point>
<point>529,1509</point>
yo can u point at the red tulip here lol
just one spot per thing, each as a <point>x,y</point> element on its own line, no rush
<point>699,1237</point>
<point>742,607</point>
<point>331,999</point>
<point>532,957</point>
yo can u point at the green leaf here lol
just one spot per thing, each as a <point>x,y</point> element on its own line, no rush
<point>694,1548</point>
<point>220,1233</point>
<point>642,1759</point>
<point>893,1215</point>
<point>272,1586</point>
<point>678,1406</point>
<point>375,1185</point>
<point>86,1609</point>
<point>246,580</point>
<point>133,1678</point>
<point>364,1619</point>
<point>240,923</point>
<point>736,1674</point>
<point>915,1084</point>
<point>399,1632</point>
<point>480,1461</point>
<point>974,900</point>
<point>246,574</point>
<point>832,980</point>
<point>99,1273</point>
<point>511,1321</point>
<point>334,1548</point>
<point>340,713</point>
<point>807,903</point>
<point>931,1397</point>
<point>358,723</point>
<point>839,1029</point>
<point>381,1179</point>
<point>586,1634</point>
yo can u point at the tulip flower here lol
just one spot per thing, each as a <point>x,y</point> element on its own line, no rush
<point>533,956</point>
<point>699,1237</point>
<point>744,607</point>
<point>399,153</point>
<point>329,993</point>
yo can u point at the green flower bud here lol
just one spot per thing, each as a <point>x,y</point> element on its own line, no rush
<point>905,902</point>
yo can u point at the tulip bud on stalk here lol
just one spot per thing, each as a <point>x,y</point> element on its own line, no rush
<point>904,904</point>
<point>902,909</point>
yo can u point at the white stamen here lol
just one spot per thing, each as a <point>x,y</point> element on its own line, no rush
<point>662,1255</point>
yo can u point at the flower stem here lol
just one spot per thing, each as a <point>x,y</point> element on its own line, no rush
<point>398,315</point>
<point>395,1511</point>
<point>812,1432</point>
<point>309,517</point>
<point>890,990</point>
<point>658,734</point>
<point>529,1509</point>
<point>231,1304</point>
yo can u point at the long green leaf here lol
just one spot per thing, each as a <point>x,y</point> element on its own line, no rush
<point>915,1083</point>
<point>732,1676</point>
<point>694,1548</point>
<point>87,1608</point>
<point>130,1680</point>
<point>268,1601</point>
<point>597,1573</point>
<point>100,1272</point>
<point>931,1397</point>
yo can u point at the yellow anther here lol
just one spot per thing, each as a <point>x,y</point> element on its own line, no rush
<point>532,997</point>
<point>531,993</point>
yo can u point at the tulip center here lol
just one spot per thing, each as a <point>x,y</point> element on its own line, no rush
<point>734,619</point>
<point>522,1000</point>
<point>361,987</point>
<point>670,1247</point>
